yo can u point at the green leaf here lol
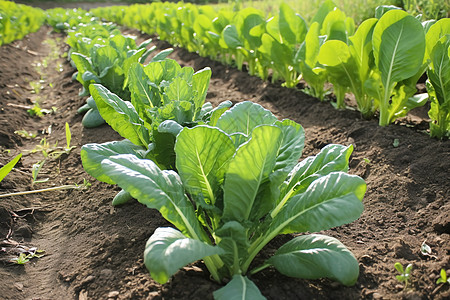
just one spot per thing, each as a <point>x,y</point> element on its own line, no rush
<point>178,90</point>
<point>244,117</point>
<point>382,9</point>
<point>155,188</point>
<point>326,7</point>
<point>398,46</point>
<point>200,84</point>
<point>239,288</point>
<point>93,154</point>
<point>230,37</point>
<point>168,250</point>
<point>332,158</point>
<point>142,96</point>
<point>292,27</point>
<point>316,256</point>
<point>9,166</point>
<point>435,33</point>
<point>249,168</point>
<point>120,115</point>
<point>202,157</point>
<point>169,126</point>
<point>330,201</point>
<point>162,55</point>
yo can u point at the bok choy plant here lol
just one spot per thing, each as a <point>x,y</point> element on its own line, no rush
<point>438,84</point>
<point>348,66</point>
<point>398,44</point>
<point>238,186</point>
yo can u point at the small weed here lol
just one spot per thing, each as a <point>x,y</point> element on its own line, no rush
<point>366,160</point>
<point>405,274</point>
<point>24,258</point>
<point>443,279</point>
<point>35,169</point>
<point>25,134</point>
<point>396,143</point>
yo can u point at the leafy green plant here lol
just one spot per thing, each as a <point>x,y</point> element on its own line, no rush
<point>398,43</point>
<point>160,91</point>
<point>239,185</point>
<point>9,166</point>
<point>438,83</point>
<point>17,20</point>
<point>405,273</point>
<point>348,67</point>
<point>443,278</point>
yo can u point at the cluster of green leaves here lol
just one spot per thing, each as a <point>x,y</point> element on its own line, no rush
<point>380,62</point>
<point>64,19</point>
<point>160,91</point>
<point>17,20</point>
<point>238,185</point>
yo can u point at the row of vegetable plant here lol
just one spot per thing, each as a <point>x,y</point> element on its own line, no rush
<point>227,178</point>
<point>380,62</point>
<point>101,54</point>
<point>17,20</point>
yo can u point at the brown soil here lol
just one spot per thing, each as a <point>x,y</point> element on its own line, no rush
<point>94,250</point>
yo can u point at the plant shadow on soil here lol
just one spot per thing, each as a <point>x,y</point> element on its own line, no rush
<point>94,251</point>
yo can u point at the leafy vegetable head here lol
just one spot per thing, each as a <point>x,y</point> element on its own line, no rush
<point>239,185</point>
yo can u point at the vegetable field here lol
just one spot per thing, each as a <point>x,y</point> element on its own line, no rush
<point>245,188</point>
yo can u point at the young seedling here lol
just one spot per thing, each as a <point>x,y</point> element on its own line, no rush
<point>405,274</point>
<point>23,257</point>
<point>25,134</point>
<point>443,279</point>
<point>35,169</point>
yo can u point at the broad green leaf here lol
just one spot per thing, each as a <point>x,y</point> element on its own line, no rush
<point>200,84</point>
<point>435,33</point>
<point>120,115</point>
<point>9,166</point>
<point>336,26</point>
<point>162,55</point>
<point>178,90</point>
<point>245,116</point>
<point>398,46</point>
<point>330,201</point>
<point>292,27</point>
<point>382,9</point>
<point>316,256</point>
<point>239,288</point>
<point>326,7</point>
<point>360,46</point>
<point>249,168</point>
<point>230,38</point>
<point>155,188</point>
<point>202,157</point>
<point>93,154</point>
<point>168,250</point>
<point>334,53</point>
<point>169,126</point>
<point>251,28</point>
<point>332,158</point>
<point>141,93</point>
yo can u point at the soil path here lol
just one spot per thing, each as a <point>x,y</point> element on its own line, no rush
<point>94,251</point>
